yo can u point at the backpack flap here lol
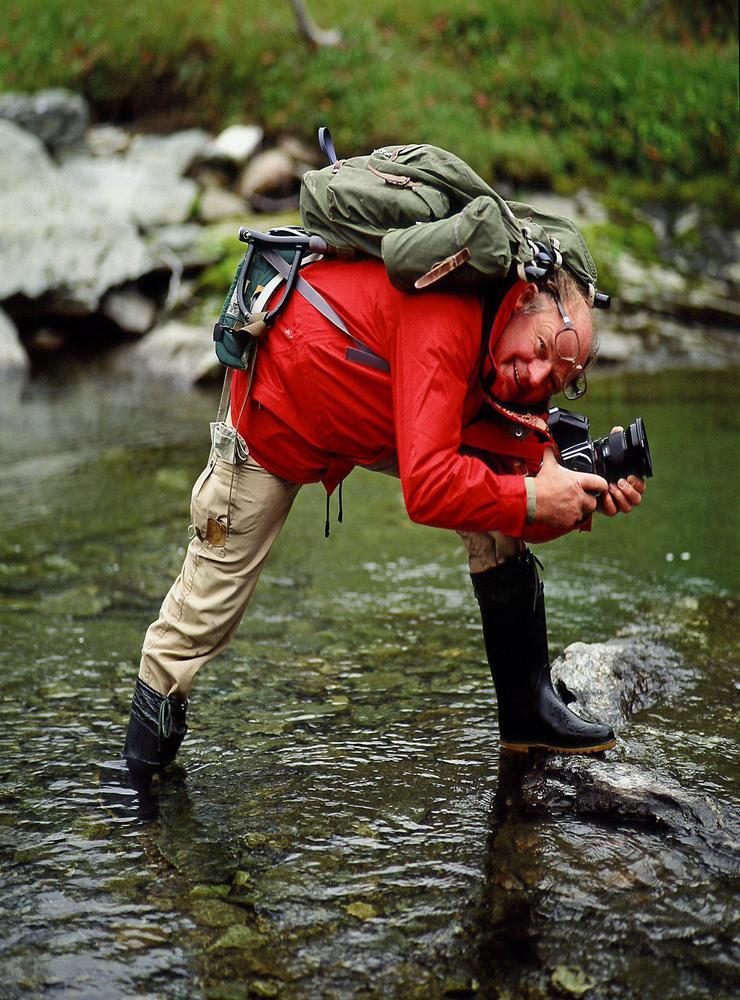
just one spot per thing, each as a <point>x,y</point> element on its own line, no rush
<point>491,238</point>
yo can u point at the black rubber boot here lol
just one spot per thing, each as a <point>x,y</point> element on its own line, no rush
<point>156,729</point>
<point>531,715</point>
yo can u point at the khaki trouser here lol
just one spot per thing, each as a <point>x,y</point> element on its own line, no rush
<point>237,511</point>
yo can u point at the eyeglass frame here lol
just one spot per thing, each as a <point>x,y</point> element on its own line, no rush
<point>577,387</point>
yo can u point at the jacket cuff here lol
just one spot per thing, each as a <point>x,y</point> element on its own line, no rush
<point>531,487</point>
<point>512,505</point>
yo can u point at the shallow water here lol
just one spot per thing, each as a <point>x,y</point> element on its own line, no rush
<point>340,823</point>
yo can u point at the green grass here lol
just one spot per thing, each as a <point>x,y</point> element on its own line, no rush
<point>546,93</point>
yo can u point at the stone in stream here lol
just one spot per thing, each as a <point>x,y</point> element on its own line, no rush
<point>174,352</point>
<point>619,792</point>
<point>612,680</point>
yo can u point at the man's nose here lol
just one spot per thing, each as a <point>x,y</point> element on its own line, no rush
<point>539,372</point>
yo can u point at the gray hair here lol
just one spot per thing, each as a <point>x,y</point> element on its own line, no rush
<point>570,292</point>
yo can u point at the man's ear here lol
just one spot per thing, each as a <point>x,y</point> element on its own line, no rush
<point>527,295</point>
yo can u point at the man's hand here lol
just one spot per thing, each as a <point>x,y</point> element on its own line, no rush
<point>622,496</point>
<point>564,497</point>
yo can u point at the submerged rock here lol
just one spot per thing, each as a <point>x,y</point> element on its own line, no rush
<point>618,792</point>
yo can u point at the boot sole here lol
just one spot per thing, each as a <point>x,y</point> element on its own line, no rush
<point>549,748</point>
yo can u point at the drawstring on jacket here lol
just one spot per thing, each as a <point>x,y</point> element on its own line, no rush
<point>340,516</point>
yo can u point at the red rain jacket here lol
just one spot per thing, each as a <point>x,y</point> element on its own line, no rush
<point>317,408</point>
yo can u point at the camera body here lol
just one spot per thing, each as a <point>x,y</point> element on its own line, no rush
<point>616,456</point>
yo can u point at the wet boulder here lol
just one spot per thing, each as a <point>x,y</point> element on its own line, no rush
<point>174,352</point>
<point>612,680</point>
<point>619,792</point>
<point>57,242</point>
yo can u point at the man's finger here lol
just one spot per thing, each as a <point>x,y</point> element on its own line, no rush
<point>621,501</point>
<point>592,483</point>
<point>639,484</point>
<point>632,495</point>
<point>607,505</point>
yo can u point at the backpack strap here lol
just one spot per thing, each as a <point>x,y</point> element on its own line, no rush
<point>327,144</point>
<point>361,352</point>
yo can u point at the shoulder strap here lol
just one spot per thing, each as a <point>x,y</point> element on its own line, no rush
<point>319,303</point>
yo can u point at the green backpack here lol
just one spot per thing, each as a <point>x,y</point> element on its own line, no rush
<point>423,211</point>
<point>431,218</point>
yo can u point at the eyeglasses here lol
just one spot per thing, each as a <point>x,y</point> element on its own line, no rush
<point>568,348</point>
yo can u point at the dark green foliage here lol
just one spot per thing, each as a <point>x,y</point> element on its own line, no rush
<point>535,93</point>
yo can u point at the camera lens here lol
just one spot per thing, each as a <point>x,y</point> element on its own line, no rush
<point>624,453</point>
<point>639,450</point>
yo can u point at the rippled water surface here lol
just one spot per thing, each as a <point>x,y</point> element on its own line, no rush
<point>340,823</point>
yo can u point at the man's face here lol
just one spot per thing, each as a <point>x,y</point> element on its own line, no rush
<point>528,367</point>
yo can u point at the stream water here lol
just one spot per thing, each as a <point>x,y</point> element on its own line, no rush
<point>340,822</point>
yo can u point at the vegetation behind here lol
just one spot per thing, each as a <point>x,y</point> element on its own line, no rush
<point>534,93</point>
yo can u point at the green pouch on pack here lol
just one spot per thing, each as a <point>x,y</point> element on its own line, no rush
<point>241,323</point>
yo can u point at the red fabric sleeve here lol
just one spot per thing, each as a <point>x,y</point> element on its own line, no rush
<point>434,367</point>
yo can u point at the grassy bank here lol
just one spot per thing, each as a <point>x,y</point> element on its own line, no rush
<point>539,92</point>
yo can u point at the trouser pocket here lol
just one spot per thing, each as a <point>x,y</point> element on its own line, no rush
<point>210,504</point>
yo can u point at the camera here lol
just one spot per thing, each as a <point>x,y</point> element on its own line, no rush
<point>616,456</point>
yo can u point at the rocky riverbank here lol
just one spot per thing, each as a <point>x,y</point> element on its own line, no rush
<point>106,233</point>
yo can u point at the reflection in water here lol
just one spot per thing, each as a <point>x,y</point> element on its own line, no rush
<point>340,822</point>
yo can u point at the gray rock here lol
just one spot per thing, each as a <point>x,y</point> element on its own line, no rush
<point>620,792</point>
<point>132,190</point>
<point>686,221</point>
<point>56,117</point>
<point>583,208</point>
<point>235,144</point>
<point>272,172</point>
<point>175,352</point>
<point>107,140</point>
<point>618,347</point>
<point>189,243</point>
<point>646,285</point>
<point>55,240</point>
<point>216,204</point>
<point>172,154</point>
<point>612,680</point>
<point>14,363</point>
<point>129,309</point>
